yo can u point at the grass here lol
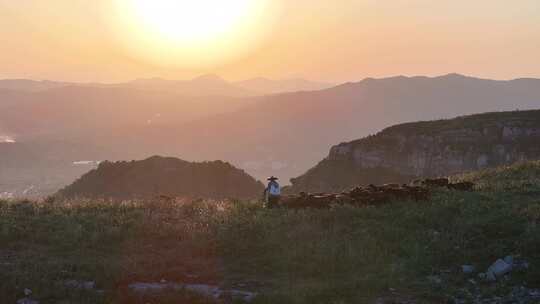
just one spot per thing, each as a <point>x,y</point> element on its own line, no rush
<point>342,255</point>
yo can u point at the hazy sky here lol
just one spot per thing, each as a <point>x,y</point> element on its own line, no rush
<point>330,40</point>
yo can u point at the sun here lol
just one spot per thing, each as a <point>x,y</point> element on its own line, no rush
<point>191,32</point>
<point>188,21</point>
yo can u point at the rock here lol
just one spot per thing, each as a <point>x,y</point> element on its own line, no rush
<point>205,290</point>
<point>490,276</point>
<point>520,265</point>
<point>27,301</point>
<point>517,263</point>
<point>509,260</point>
<point>467,268</point>
<point>516,295</point>
<point>454,146</point>
<point>87,285</point>
<point>150,287</point>
<point>535,293</point>
<point>209,291</point>
<point>499,268</point>
<point>27,292</point>
<point>461,186</point>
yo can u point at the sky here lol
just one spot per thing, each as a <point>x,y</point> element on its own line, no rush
<point>325,40</point>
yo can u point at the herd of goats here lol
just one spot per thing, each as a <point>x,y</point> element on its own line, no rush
<point>373,195</point>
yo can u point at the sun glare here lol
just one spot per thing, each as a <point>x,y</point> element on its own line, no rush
<point>192,32</point>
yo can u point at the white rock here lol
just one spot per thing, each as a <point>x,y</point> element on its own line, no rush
<point>490,276</point>
<point>210,291</point>
<point>206,290</point>
<point>499,268</point>
<point>27,301</point>
<point>27,292</point>
<point>88,285</point>
<point>467,268</point>
<point>149,287</point>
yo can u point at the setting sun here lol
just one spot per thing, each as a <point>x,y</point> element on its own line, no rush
<point>191,33</point>
<point>270,151</point>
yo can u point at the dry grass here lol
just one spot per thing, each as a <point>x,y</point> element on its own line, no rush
<point>342,255</point>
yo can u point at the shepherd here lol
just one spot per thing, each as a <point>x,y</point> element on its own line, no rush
<point>272,193</point>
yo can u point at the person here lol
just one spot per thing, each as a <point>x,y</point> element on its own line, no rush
<point>272,193</point>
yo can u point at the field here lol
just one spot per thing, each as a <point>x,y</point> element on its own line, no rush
<point>396,252</point>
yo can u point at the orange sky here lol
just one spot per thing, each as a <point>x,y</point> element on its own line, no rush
<point>330,40</point>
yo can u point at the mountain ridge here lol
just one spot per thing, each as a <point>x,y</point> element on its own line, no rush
<point>404,152</point>
<point>206,84</point>
<point>280,134</point>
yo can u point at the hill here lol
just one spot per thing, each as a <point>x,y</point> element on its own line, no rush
<point>164,176</point>
<point>204,85</point>
<point>434,251</point>
<point>404,152</point>
<point>28,85</point>
<point>268,86</point>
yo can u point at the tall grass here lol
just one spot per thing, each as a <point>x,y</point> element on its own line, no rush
<point>342,255</point>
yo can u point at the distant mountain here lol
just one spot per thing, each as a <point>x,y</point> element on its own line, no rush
<point>82,113</point>
<point>214,85</point>
<point>280,134</point>
<point>287,133</point>
<point>30,85</point>
<point>206,85</point>
<point>427,149</point>
<point>164,176</point>
<point>265,86</point>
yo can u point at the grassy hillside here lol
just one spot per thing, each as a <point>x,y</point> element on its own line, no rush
<point>400,251</point>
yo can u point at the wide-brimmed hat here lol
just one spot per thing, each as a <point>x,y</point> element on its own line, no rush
<point>272,178</point>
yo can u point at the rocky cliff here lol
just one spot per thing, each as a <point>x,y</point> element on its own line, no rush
<point>426,149</point>
<point>167,176</point>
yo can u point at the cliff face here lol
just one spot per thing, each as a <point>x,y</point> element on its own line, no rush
<point>164,176</point>
<point>426,149</point>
